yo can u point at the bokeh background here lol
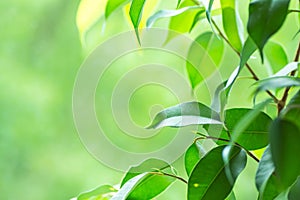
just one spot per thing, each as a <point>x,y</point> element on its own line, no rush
<point>41,50</point>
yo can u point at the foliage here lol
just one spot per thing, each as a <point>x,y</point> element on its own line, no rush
<point>236,131</point>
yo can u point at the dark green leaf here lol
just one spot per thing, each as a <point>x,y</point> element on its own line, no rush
<point>203,60</point>
<point>208,179</point>
<point>178,3</point>
<point>265,18</point>
<point>112,5</point>
<point>277,82</point>
<point>295,191</point>
<point>292,110</point>
<point>271,189</point>
<point>101,192</point>
<point>149,185</point>
<point>276,56</point>
<point>170,13</point>
<point>265,169</point>
<point>248,127</point>
<point>192,157</point>
<point>231,24</point>
<point>284,145</point>
<point>185,114</point>
<point>135,13</point>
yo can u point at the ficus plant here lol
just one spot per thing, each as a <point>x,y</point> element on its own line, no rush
<point>238,133</point>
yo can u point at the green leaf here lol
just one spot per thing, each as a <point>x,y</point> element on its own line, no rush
<point>253,135</point>
<point>265,18</point>
<point>130,185</point>
<point>135,13</point>
<point>202,15</point>
<point>276,56</point>
<point>170,13</point>
<point>265,169</point>
<point>101,192</point>
<point>203,60</point>
<point>249,127</point>
<point>192,156</point>
<point>292,110</point>
<point>284,145</point>
<point>271,189</point>
<point>208,179</point>
<point>219,99</point>
<point>149,165</point>
<point>176,22</point>
<point>112,5</point>
<point>231,26</point>
<point>149,185</point>
<point>178,3</point>
<point>278,82</point>
<point>185,114</point>
<point>295,191</point>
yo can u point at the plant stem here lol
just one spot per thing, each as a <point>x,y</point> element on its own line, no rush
<point>282,101</point>
<point>226,140</point>
<point>170,175</point>
<point>254,76</point>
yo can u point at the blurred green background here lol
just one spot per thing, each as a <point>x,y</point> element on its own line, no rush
<point>40,52</point>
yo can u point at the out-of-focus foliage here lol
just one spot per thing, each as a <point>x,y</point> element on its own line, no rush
<point>40,53</point>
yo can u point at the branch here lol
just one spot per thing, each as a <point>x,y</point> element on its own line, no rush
<point>170,175</point>
<point>225,140</point>
<point>282,102</point>
<point>254,76</point>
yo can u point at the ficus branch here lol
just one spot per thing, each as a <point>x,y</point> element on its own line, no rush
<point>254,76</point>
<point>170,175</point>
<point>282,101</point>
<point>225,140</point>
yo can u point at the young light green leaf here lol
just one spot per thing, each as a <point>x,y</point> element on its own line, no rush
<point>192,156</point>
<point>265,18</point>
<point>135,13</point>
<point>265,169</point>
<point>276,56</point>
<point>149,185</point>
<point>185,114</point>
<point>101,192</point>
<point>183,22</point>
<point>284,145</point>
<point>231,26</point>
<point>279,82</point>
<point>205,54</point>
<point>202,15</point>
<point>170,13</point>
<point>112,5</point>
<point>208,179</point>
<point>295,191</point>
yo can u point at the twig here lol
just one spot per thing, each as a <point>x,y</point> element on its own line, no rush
<point>170,175</point>
<point>254,76</point>
<point>282,101</point>
<point>226,140</point>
